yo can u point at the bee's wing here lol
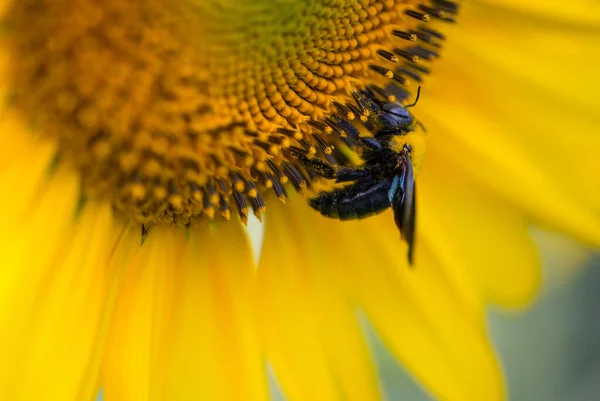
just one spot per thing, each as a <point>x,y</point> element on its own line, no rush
<point>402,196</point>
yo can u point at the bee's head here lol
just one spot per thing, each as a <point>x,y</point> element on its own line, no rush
<point>394,119</point>
<point>399,115</point>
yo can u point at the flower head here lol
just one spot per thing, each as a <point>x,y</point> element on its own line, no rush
<point>178,112</point>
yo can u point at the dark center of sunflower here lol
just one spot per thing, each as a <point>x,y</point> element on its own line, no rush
<point>174,110</point>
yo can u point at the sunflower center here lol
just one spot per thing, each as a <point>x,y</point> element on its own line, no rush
<point>176,110</point>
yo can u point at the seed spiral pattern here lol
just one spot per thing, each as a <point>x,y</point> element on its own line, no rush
<point>182,110</point>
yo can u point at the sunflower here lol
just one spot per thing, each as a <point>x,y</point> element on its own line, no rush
<point>137,135</point>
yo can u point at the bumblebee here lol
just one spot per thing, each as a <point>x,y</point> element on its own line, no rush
<point>386,177</point>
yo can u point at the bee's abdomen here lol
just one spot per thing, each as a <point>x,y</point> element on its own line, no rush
<point>354,201</point>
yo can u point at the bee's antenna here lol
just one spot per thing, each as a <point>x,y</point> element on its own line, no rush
<point>420,124</point>
<point>416,99</point>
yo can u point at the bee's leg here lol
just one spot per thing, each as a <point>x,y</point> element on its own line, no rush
<point>331,172</point>
<point>370,143</point>
<point>420,125</point>
<point>353,133</point>
<point>345,174</point>
<point>374,111</point>
<point>366,103</point>
<point>319,167</point>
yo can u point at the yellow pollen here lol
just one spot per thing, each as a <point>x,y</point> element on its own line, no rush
<point>138,192</point>
<point>417,141</point>
<point>214,199</point>
<point>209,212</point>
<point>239,186</point>
<point>176,201</point>
<point>160,193</point>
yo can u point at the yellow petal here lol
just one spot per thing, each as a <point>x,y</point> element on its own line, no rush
<point>56,287</point>
<point>483,150</point>
<point>476,233</point>
<point>530,133</point>
<point>422,320</point>
<point>309,325</point>
<point>184,328</point>
<point>24,167</point>
<point>580,12</point>
<point>558,58</point>
<point>545,89</point>
<point>421,314</point>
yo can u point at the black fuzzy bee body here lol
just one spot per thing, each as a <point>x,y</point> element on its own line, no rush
<point>356,201</point>
<point>385,179</point>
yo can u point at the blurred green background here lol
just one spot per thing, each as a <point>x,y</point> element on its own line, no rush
<point>551,351</point>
